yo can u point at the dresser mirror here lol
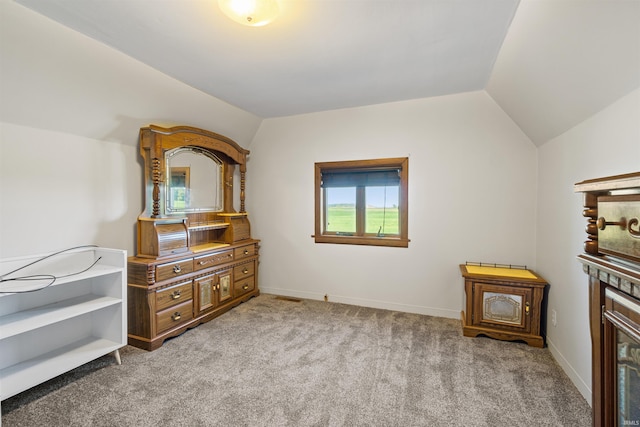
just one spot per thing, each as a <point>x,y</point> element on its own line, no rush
<point>194,181</point>
<point>189,191</point>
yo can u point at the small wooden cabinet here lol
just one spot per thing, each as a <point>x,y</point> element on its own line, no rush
<point>504,303</point>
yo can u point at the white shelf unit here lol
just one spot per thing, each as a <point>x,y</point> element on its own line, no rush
<point>49,329</point>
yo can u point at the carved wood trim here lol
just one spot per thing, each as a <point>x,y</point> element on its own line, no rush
<point>156,179</point>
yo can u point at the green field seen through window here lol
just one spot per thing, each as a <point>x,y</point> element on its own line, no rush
<point>342,218</point>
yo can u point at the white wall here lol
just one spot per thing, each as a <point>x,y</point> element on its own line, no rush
<point>606,144</point>
<point>65,190</point>
<point>70,112</point>
<point>472,197</point>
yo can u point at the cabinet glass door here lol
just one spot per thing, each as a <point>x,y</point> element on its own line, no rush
<point>506,308</point>
<point>628,379</point>
<point>224,281</point>
<point>206,292</point>
<point>622,358</point>
<point>497,305</point>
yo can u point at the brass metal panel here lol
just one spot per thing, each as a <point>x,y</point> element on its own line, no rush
<point>503,308</point>
<point>491,301</point>
<point>205,293</point>
<point>224,281</point>
<point>619,226</point>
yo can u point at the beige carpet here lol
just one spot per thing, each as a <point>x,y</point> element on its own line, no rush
<point>273,362</point>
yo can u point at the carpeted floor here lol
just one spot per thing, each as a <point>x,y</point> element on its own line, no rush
<point>273,362</point>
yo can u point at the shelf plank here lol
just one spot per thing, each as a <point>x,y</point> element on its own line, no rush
<point>13,287</point>
<point>27,320</point>
<point>207,247</point>
<point>30,373</point>
<point>208,226</point>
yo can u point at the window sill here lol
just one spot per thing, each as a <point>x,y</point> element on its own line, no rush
<point>395,242</point>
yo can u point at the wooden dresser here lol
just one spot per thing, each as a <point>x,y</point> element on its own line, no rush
<point>611,258</point>
<point>168,296</point>
<point>196,258</point>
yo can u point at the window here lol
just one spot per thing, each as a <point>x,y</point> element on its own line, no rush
<point>179,188</point>
<point>362,202</point>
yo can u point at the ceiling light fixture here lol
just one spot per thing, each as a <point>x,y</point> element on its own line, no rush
<point>254,13</point>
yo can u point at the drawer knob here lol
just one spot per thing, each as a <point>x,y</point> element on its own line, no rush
<point>526,309</point>
<point>177,269</point>
<point>246,270</point>
<point>176,316</point>
<point>246,251</point>
<point>175,294</point>
<point>602,223</point>
<point>245,286</point>
<point>623,223</point>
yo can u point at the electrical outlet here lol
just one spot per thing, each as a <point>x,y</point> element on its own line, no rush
<point>554,318</point>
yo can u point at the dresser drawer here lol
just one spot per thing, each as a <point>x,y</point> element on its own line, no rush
<point>173,295</point>
<point>210,260</point>
<point>174,316</point>
<point>173,269</point>
<point>242,286</point>
<point>243,270</point>
<point>619,226</point>
<point>244,252</point>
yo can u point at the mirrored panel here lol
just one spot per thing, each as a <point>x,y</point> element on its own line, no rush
<point>628,379</point>
<point>194,181</point>
<point>504,308</point>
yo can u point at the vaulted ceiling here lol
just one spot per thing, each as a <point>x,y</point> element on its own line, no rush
<point>549,64</point>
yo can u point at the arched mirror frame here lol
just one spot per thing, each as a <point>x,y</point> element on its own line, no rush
<point>155,141</point>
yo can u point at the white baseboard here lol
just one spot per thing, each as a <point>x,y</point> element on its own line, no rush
<point>582,386</point>
<point>385,305</point>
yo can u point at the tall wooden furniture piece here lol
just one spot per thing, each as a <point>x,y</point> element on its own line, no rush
<point>505,303</point>
<point>71,311</point>
<point>196,258</point>
<point>611,258</point>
